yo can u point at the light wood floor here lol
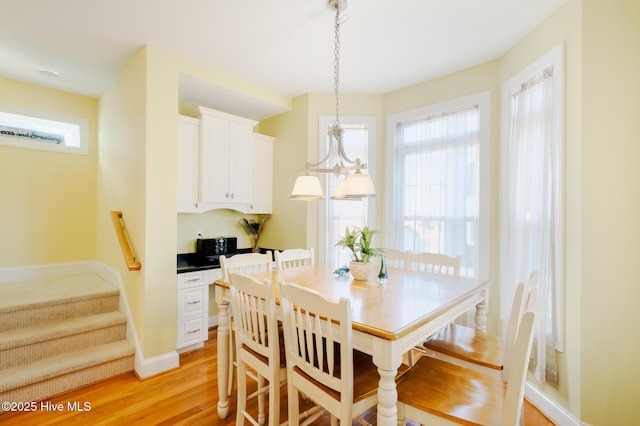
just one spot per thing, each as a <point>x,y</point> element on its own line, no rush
<point>185,396</point>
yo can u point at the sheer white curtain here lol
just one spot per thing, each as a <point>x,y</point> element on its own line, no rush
<point>437,183</point>
<point>533,212</point>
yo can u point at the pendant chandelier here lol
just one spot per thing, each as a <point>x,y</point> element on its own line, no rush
<point>351,183</point>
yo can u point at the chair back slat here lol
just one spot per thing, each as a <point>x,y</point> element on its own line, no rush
<point>253,303</point>
<point>436,263</point>
<point>524,299</point>
<point>396,258</point>
<point>513,399</point>
<point>293,258</point>
<point>245,263</point>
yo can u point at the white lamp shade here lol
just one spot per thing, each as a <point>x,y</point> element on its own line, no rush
<point>358,185</point>
<point>307,188</point>
<point>338,190</point>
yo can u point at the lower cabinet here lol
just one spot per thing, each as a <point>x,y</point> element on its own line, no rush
<point>193,309</point>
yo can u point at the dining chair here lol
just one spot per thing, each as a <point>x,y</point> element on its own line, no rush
<point>438,392</point>
<point>321,361</point>
<point>255,324</point>
<point>436,263</point>
<point>396,258</point>
<point>484,352</point>
<point>244,263</point>
<point>292,258</point>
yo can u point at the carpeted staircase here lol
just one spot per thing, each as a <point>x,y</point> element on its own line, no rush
<point>58,334</point>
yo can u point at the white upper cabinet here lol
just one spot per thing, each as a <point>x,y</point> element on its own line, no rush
<point>225,158</point>
<point>188,143</point>
<point>223,164</point>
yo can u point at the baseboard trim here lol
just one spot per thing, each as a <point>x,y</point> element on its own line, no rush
<point>149,367</point>
<point>557,414</point>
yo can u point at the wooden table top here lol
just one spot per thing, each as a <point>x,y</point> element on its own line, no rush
<point>406,301</point>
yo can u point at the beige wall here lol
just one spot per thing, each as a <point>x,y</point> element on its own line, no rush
<point>122,180</point>
<point>48,212</point>
<point>610,208</point>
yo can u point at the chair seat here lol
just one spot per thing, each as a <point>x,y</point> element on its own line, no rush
<point>264,359</point>
<point>453,392</point>
<point>468,344</point>
<point>365,380</point>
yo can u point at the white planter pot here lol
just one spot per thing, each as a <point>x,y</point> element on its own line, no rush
<point>360,270</point>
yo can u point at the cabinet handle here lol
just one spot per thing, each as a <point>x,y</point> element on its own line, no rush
<point>232,195</point>
<point>193,303</point>
<point>193,280</point>
<point>226,195</point>
<point>193,331</point>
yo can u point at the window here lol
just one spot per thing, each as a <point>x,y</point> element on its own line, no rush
<point>45,131</point>
<point>439,162</point>
<point>335,215</point>
<point>532,188</point>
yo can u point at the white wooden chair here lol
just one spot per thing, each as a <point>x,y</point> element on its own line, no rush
<point>436,263</point>
<point>484,352</point>
<point>243,263</point>
<point>438,392</point>
<point>293,258</point>
<point>396,258</point>
<point>321,362</point>
<point>255,324</point>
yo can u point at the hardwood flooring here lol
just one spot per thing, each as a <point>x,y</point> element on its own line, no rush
<point>185,396</point>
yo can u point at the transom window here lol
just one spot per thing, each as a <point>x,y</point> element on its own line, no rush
<point>43,131</point>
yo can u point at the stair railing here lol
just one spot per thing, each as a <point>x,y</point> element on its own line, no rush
<point>129,258</point>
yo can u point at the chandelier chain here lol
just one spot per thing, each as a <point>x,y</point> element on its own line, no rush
<point>336,65</point>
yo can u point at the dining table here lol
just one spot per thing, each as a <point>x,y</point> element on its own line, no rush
<point>389,317</point>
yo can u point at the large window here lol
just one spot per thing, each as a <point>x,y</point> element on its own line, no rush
<point>25,128</point>
<point>438,160</point>
<point>335,215</point>
<point>532,189</point>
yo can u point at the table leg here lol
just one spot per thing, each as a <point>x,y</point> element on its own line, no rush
<point>387,398</point>
<point>481,316</point>
<point>223,359</point>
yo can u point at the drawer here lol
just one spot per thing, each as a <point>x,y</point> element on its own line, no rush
<point>193,301</point>
<point>192,330</point>
<point>191,279</point>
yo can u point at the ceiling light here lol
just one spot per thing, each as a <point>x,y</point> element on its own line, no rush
<point>355,184</point>
<point>48,72</point>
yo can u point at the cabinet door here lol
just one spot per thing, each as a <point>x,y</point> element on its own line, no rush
<point>240,162</point>
<point>188,141</point>
<point>214,159</point>
<point>262,182</point>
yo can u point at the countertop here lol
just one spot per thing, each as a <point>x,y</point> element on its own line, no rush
<point>191,262</point>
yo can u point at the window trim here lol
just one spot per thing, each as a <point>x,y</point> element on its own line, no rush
<point>19,142</point>
<point>483,100</point>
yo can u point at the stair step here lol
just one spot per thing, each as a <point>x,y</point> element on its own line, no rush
<point>29,303</point>
<point>25,345</point>
<point>58,374</point>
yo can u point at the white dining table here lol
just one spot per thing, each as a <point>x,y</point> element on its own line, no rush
<point>389,318</point>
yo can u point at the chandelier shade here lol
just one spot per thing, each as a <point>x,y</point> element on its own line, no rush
<point>307,188</point>
<point>355,184</point>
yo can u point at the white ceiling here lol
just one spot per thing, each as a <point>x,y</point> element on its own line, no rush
<point>285,46</point>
